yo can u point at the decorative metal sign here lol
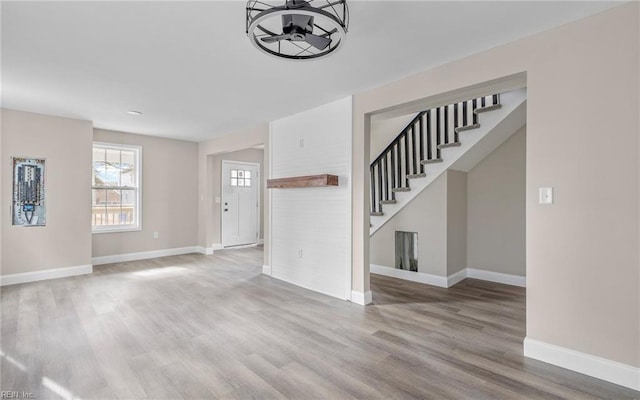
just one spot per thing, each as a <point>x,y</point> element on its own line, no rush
<point>28,192</point>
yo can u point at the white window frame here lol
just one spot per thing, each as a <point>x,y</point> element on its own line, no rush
<point>137,226</point>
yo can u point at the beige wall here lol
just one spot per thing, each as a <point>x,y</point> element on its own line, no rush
<point>239,140</point>
<point>66,239</point>
<point>467,220</point>
<point>169,196</point>
<point>383,131</point>
<point>456,221</point>
<point>496,209</point>
<point>426,215</point>
<point>439,216</point>
<point>582,259</point>
<point>255,156</point>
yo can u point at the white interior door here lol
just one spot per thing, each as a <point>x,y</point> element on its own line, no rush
<point>240,185</point>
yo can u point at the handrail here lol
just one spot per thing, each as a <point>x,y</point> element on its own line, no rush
<point>404,157</point>
<point>397,138</point>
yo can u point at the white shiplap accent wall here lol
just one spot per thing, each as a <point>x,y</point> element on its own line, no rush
<point>313,222</point>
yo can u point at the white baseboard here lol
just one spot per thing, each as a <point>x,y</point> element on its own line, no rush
<point>35,276</point>
<point>361,298</point>
<point>260,241</point>
<point>147,254</point>
<point>597,367</point>
<point>456,277</point>
<point>216,246</point>
<point>266,269</point>
<point>420,277</point>
<point>448,281</point>
<point>207,251</point>
<point>507,279</point>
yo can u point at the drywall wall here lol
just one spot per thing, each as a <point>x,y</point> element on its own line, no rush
<point>456,221</point>
<point>583,280</point>
<point>239,140</point>
<point>467,220</point>
<point>3,206</point>
<point>169,196</point>
<point>255,156</point>
<point>426,215</point>
<point>383,131</point>
<point>65,241</point>
<point>311,227</point>
<point>439,216</point>
<point>496,193</point>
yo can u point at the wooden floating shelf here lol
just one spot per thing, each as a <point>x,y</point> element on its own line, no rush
<point>303,181</point>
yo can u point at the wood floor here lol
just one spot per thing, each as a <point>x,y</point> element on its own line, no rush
<point>199,327</point>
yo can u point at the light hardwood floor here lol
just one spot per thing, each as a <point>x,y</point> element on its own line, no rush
<point>199,327</point>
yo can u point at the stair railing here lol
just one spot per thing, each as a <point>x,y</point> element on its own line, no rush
<point>420,143</point>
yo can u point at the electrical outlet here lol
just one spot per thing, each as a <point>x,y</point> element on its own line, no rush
<point>156,235</point>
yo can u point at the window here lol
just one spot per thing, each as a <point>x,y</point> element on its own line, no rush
<point>240,177</point>
<point>115,188</point>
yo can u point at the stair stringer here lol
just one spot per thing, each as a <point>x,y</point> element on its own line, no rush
<point>496,127</point>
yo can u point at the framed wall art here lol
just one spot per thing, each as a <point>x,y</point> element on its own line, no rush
<point>28,201</point>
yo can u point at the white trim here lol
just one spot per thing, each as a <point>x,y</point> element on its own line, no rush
<point>222,191</point>
<point>497,277</point>
<point>421,277</point>
<point>597,367</point>
<point>207,251</point>
<point>349,267</point>
<point>240,246</point>
<point>261,241</point>
<point>13,279</point>
<point>148,254</point>
<point>138,188</point>
<point>456,277</point>
<point>216,246</point>
<point>266,269</point>
<point>448,281</point>
<point>361,298</point>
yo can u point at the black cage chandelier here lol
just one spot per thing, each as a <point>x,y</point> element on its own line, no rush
<point>297,29</point>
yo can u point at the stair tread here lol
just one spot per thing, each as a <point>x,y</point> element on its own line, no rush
<point>401,189</point>
<point>431,161</point>
<point>388,202</point>
<point>414,176</point>
<point>377,214</point>
<point>467,127</point>
<point>487,108</point>
<point>452,144</point>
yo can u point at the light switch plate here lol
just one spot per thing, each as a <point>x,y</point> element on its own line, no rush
<point>546,195</point>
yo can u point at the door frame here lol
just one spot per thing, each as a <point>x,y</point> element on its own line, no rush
<point>259,187</point>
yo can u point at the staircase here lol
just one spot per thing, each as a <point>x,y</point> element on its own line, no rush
<point>453,136</point>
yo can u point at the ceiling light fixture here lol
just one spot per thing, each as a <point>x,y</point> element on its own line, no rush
<point>132,112</point>
<point>297,29</point>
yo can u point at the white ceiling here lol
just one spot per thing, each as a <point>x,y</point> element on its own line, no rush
<point>189,67</point>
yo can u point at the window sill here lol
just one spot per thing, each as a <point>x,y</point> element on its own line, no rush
<point>116,230</point>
